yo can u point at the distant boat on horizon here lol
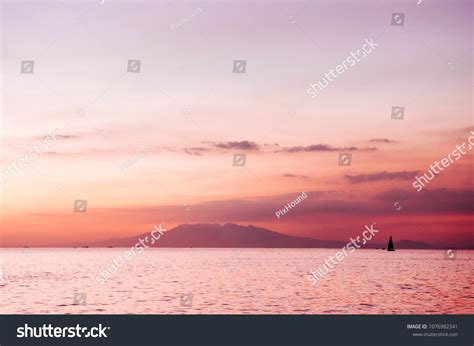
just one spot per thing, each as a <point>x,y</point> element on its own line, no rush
<point>390,246</point>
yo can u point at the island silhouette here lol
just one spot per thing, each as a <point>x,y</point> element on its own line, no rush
<point>231,235</point>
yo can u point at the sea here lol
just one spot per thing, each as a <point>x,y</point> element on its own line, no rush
<point>234,281</point>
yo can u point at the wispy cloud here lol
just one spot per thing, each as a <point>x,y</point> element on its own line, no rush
<point>196,151</point>
<point>289,175</point>
<point>110,151</point>
<point>381,140</point>
<point>319,202</point>
<point>432,201</point>
<point>242,145</point>
<point>321,148</point>
<point>363,178</point>
<point>211,146</point>
<point>456,132</point>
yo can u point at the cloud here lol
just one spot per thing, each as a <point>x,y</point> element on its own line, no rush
<point>216,146</point>
<point>242,145</point>
<point>196,151</point>
<point>68,136</point>
<point>431,201</point>
<point>328,205</point>
<point>58,136</point>
<point>363,178</point>
<point>321,148</point>
<point>109,152</point>
<point>442,216</point>
<point>289,175</point>
<point>263,208</point>
<point>457,132</point>
<point>381,140</point>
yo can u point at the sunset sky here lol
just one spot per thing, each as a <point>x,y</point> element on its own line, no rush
<point>180,120</point>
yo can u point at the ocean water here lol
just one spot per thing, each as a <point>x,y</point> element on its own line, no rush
<point>235,281</point>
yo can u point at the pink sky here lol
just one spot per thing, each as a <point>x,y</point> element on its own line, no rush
<point>194,114</point>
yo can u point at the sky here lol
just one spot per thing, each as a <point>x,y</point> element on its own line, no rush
<point>157,146</point>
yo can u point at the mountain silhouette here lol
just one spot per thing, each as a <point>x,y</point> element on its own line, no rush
<point>231,235</point>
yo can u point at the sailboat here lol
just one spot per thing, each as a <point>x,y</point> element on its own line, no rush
<point>390,246</point>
